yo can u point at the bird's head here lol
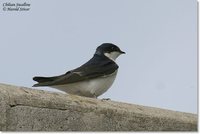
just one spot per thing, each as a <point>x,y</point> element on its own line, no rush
<point>109,50</point>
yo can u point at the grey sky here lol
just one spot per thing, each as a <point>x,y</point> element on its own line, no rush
<point>158,36</point>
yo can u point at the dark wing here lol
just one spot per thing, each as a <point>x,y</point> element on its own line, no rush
<point>98,66</point>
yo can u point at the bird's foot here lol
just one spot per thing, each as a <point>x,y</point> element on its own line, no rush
<point>105,99</point>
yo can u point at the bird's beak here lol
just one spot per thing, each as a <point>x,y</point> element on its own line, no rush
<point>122,52</point>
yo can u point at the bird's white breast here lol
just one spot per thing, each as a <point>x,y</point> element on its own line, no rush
<point>89,88</point>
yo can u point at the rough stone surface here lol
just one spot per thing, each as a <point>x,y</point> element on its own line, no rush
<point>24,109</point>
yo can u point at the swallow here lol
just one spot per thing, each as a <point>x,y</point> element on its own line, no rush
<point>92,79</point>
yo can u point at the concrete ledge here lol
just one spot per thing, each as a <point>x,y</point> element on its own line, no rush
<point>24,109</point>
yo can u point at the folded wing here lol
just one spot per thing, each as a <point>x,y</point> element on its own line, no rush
<point>96,67</point>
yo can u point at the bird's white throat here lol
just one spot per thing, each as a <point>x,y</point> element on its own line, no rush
<point>113,55</point>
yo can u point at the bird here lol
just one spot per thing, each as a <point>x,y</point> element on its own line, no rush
<point>91,79</point>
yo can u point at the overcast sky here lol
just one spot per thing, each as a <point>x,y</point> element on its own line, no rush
<point>158,36</point>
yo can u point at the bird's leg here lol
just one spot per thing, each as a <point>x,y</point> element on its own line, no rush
<point>94,96</point>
